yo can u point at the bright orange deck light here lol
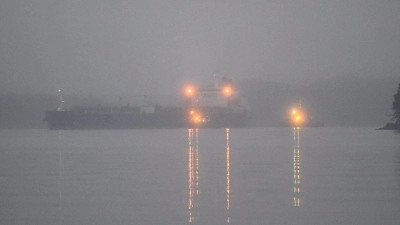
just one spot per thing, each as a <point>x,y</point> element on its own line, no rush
<point>197,118</point>
<point>227,91</point>
<point>189,91</point>
<point>297,118</point>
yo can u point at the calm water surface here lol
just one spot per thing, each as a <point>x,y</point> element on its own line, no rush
<point>206,176</point>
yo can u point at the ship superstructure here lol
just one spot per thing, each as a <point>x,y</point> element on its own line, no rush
<point>216,105</point>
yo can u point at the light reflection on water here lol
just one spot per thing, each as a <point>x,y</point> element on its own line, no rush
<point>228,177</point>
<point>193,142</point>
<point>61,176</point>
<point>193,139</point>
<point>296,165</point>
<point>200,176</point>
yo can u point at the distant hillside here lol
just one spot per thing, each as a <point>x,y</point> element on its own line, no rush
<point>340,101</point>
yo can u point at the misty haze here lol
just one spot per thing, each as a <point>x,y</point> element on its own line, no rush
<point>261,112</point>
<point>101,52</point>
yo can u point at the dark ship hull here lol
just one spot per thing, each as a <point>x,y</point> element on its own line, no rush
<point>160,119</point>
<point>308,124</point>
<point>219,118</point>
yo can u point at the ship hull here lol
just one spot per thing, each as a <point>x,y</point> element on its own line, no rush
<point>78,120</point>
<point>309,124</point>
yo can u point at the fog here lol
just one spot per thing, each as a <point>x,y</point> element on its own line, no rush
<point>114,50</point>
<point>337,101</point>
<point>134,48</point>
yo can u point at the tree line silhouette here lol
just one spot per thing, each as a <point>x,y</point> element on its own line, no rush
<point>396,106</point>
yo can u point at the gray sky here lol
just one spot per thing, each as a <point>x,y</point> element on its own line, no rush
<point>148,47</point>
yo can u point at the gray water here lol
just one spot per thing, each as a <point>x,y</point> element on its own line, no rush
<point>206,176</point>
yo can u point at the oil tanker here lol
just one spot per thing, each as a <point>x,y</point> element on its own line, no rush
<point>217,105</point>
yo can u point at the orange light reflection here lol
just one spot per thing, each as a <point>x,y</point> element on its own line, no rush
<point>296,165</point>
<point>193,139</point>
<point>228,178</point>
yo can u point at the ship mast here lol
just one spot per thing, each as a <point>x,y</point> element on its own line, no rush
<point>60,108</point>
